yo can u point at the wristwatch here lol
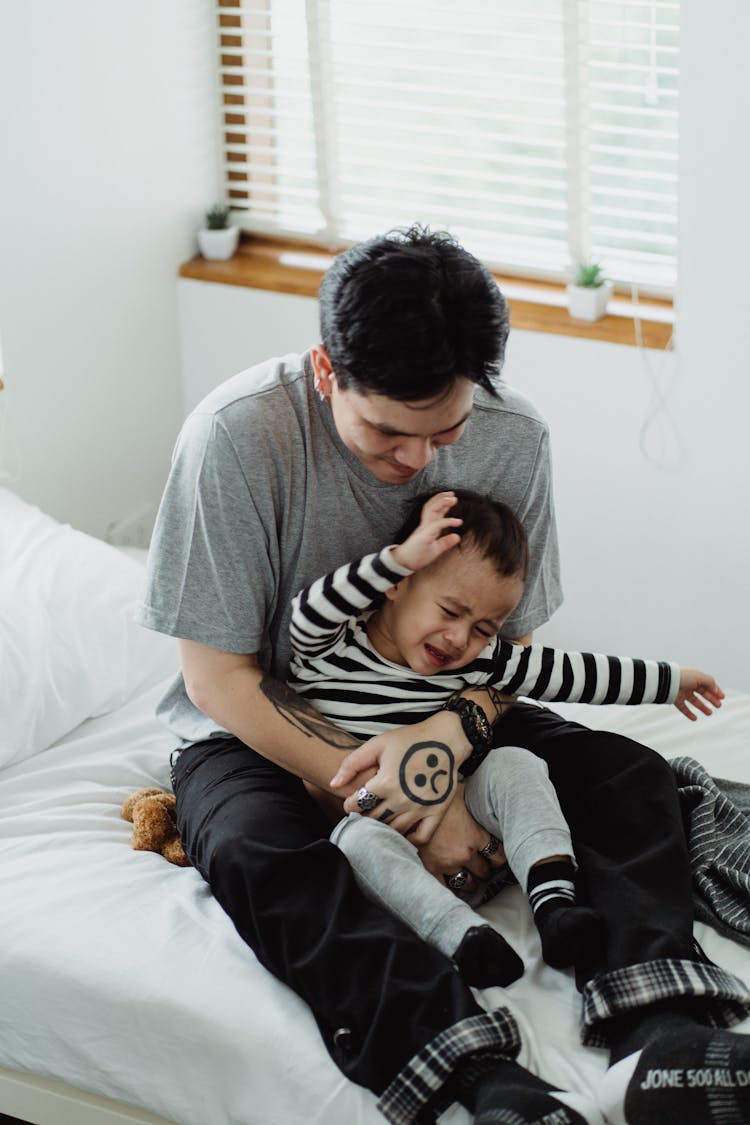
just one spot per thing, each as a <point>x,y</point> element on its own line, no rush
<point>476,728</point>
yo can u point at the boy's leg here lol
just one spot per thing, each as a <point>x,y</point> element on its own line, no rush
<point>651,997</point>
<point>388,869</point>
<point>511,794</point>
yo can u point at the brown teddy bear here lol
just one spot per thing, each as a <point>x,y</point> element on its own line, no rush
<point>154,827</point>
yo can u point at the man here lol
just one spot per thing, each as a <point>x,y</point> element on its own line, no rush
<point>282,474</point>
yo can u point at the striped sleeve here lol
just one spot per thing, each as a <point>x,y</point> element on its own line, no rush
<point>556,676</point>
<point>321,611</point>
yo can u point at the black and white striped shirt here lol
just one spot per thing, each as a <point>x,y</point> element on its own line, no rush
<point>335,666</point>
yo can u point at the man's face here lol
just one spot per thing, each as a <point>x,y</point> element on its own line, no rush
<point>393,439</point>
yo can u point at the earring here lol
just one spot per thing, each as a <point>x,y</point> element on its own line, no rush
<point>319,391</point>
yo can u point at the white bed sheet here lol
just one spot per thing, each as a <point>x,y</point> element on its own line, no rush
<point>121,975</point>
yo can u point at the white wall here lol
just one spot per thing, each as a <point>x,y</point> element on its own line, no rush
<point>107,158</point>
<point>225,328</point>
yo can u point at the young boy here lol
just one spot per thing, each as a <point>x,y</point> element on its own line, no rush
<point>384,641</point>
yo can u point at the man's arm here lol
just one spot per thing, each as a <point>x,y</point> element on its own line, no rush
<point>263,712</point>
<point>269,716</point>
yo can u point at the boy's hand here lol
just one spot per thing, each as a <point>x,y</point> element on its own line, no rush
<point>427,542</point>
<point>698,690</point>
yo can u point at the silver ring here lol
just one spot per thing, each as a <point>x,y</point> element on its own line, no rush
<point>459,880</point>
<point>490,847</point>
<point>366,800</point>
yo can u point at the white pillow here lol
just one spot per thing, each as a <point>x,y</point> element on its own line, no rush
<point>69,645</point>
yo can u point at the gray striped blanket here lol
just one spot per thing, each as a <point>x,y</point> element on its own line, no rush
<point>717,821</point>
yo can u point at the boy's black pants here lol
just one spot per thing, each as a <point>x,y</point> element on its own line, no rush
<point>378,993</point>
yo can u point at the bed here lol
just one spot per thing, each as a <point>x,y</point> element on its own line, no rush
<point>126,996</point>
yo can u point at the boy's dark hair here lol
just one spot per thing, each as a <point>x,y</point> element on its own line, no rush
<point>489,525</point>
<point>406,313</point>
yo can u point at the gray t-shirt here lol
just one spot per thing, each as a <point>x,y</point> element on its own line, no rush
<point>263,497</point>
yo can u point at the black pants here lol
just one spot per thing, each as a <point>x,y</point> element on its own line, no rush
<point>378,993</point>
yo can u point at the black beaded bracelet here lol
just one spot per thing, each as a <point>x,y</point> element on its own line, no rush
<point>477,729</point>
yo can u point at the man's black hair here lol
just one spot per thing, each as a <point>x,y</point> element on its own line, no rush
<point>489,525</point>
<point>405,313</point>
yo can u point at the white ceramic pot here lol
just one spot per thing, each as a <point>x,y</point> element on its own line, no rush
<point>589,302</point>
<point>218,245</point>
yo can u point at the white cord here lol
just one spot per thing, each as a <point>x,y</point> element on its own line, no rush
<point>659,439</point>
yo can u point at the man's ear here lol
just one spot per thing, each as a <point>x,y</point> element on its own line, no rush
<point>323,369</point>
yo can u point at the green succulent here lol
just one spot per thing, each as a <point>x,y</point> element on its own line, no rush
<point>217,217</point>
<point>589,275</point>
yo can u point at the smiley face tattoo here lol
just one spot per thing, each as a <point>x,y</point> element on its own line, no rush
<point>428,773</point>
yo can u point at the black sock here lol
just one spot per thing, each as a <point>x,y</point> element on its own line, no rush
<point>685,1072</point>
<point>484,958</point>
<point>568,932</point>
<point>507,1094</point>
<point>633,1030</point>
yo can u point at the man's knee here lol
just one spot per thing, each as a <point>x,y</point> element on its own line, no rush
<point>240,863</point>
<point>244,832</point>
<point>622,759</point>
<point>597,758</point>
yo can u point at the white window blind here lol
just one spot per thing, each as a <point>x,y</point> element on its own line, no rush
<point>537,131</point>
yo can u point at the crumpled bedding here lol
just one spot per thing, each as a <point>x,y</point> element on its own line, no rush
<point>717,824</point>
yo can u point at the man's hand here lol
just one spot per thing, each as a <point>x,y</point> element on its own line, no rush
<point>697,689</point>
<point>456,843</point>
<point>416,771</point>
<point>429,540</point>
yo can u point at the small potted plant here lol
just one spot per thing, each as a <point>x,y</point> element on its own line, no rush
<point>217,238</point>
<point>589,292</point>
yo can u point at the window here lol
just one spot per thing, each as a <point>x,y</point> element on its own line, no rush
<point>537,131</point>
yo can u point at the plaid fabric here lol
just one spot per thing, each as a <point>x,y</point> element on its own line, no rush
<point>491,1035</point>
<point>718,816</point>
<point>611,994</point>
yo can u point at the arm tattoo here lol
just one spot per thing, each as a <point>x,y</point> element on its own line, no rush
<point>497,701</point>
<point>500,702</point>
<point>303,716</point>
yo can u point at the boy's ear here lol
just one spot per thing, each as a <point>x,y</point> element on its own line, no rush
<point>392,592</point>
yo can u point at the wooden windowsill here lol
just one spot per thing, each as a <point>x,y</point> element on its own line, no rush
<point>536,306</point>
